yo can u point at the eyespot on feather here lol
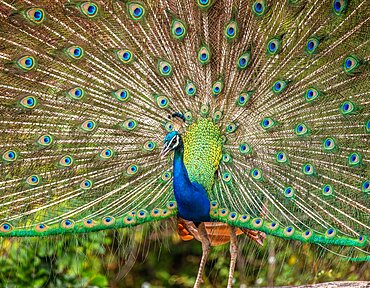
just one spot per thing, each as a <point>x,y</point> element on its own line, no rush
<point>164,68</point>
<point>89,9</point>
<point>26,63</point>
<point>244,60</point>
<point>86,184</point>
<point>41,227</point>
<point>28,102</point>
<point>10,156</point>
<point>273,46</point>
<point>136,10</point>
<point>217,87</point>
<point>129,125</point>
<point>45,140</point>
<point>67,224</point>
<point>106,154</point>
<point>190,88</point>
<point>66,161</point>
<point>125,56</point>
<point>6,227</point>
<point>88,125</point>
<point>76,93</point>
<point>74,52</point>
<point>121,95</point>
<point>132,169</point>
<point>33,180</point>
<point>204,55</point>
<point>35,14</point>
<point>178,29</point>
<point>259,8</point>
<point>268,123</point>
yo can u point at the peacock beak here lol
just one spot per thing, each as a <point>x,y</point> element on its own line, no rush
<point>164,151</point>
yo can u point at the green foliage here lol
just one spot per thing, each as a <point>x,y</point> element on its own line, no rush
<point>161,259</point>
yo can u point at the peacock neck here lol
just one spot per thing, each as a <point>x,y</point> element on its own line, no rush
<point>192,199</point>
<point>179,169</point>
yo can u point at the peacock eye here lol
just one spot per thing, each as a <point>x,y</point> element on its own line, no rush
<point>88,125</point>
<point>164,68</point>
<point>28,102</point>
<point>256,174</point>
<point>226,177</point>
<point>168,126</point>
<point>339,6</point>
<point>311,94</point>
<point>33,180</point>
<point>243,99</point>
<point>129,124</point>
<point>367,126</point>
<point>66,161</point>
<point>125,56</point>
<point>166,176</point>
<point>149,146</point>
<point>190,88</point>
<point>162,102</point>
<point>231,30</point>
<point>289,192</point>
<point>217,87</point>
<point>204,4</point>
<point>245,148</point>
<point>74,52</point>
<point>243,60</point>
<point>106,153</point>
<point>267,123</point>
<point>6,227</point>
<point>259,7</point>
<point>10,156</point>
<point>26,63</point>
<point>35,15</point>
<point>121,95</point>
<point>354,159</point>
<point>279,86</point>
<point>132,169</point>
<point>312,45</point>
<point>188,116</point>
<point>329,144</point>
<point>136,11</point>
<point>231,127</point>
<point>76,93</point>
<point>45,140</point>
<point>281,157</point>
<point>308,169</point>
<point>350,64</point>
<point>204,55</point>
<point>178,29</point>
<point>348,108</point>
<point>273,46</point>
<point>86,184</point>
<point>365,187</point>
<point>301,129</point>
<point>89,9</point>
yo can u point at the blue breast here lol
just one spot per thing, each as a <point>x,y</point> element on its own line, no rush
<point>192,199</point>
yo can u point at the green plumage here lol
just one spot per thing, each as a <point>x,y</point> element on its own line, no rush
<point>274,96</point>
<point>202,152</point>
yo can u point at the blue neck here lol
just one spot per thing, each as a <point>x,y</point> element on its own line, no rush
<point>192,199</point>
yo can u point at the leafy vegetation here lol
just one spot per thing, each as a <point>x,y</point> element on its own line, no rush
<point>158,258</point>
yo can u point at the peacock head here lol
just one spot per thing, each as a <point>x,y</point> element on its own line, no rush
<point>171,142</point>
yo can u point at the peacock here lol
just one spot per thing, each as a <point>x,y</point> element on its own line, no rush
<point>229,117</point>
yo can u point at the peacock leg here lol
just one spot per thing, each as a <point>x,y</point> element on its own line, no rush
<point>206,246</point>
<point>233,253</point>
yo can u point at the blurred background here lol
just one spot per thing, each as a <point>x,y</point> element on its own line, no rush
<point>154,256</point>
